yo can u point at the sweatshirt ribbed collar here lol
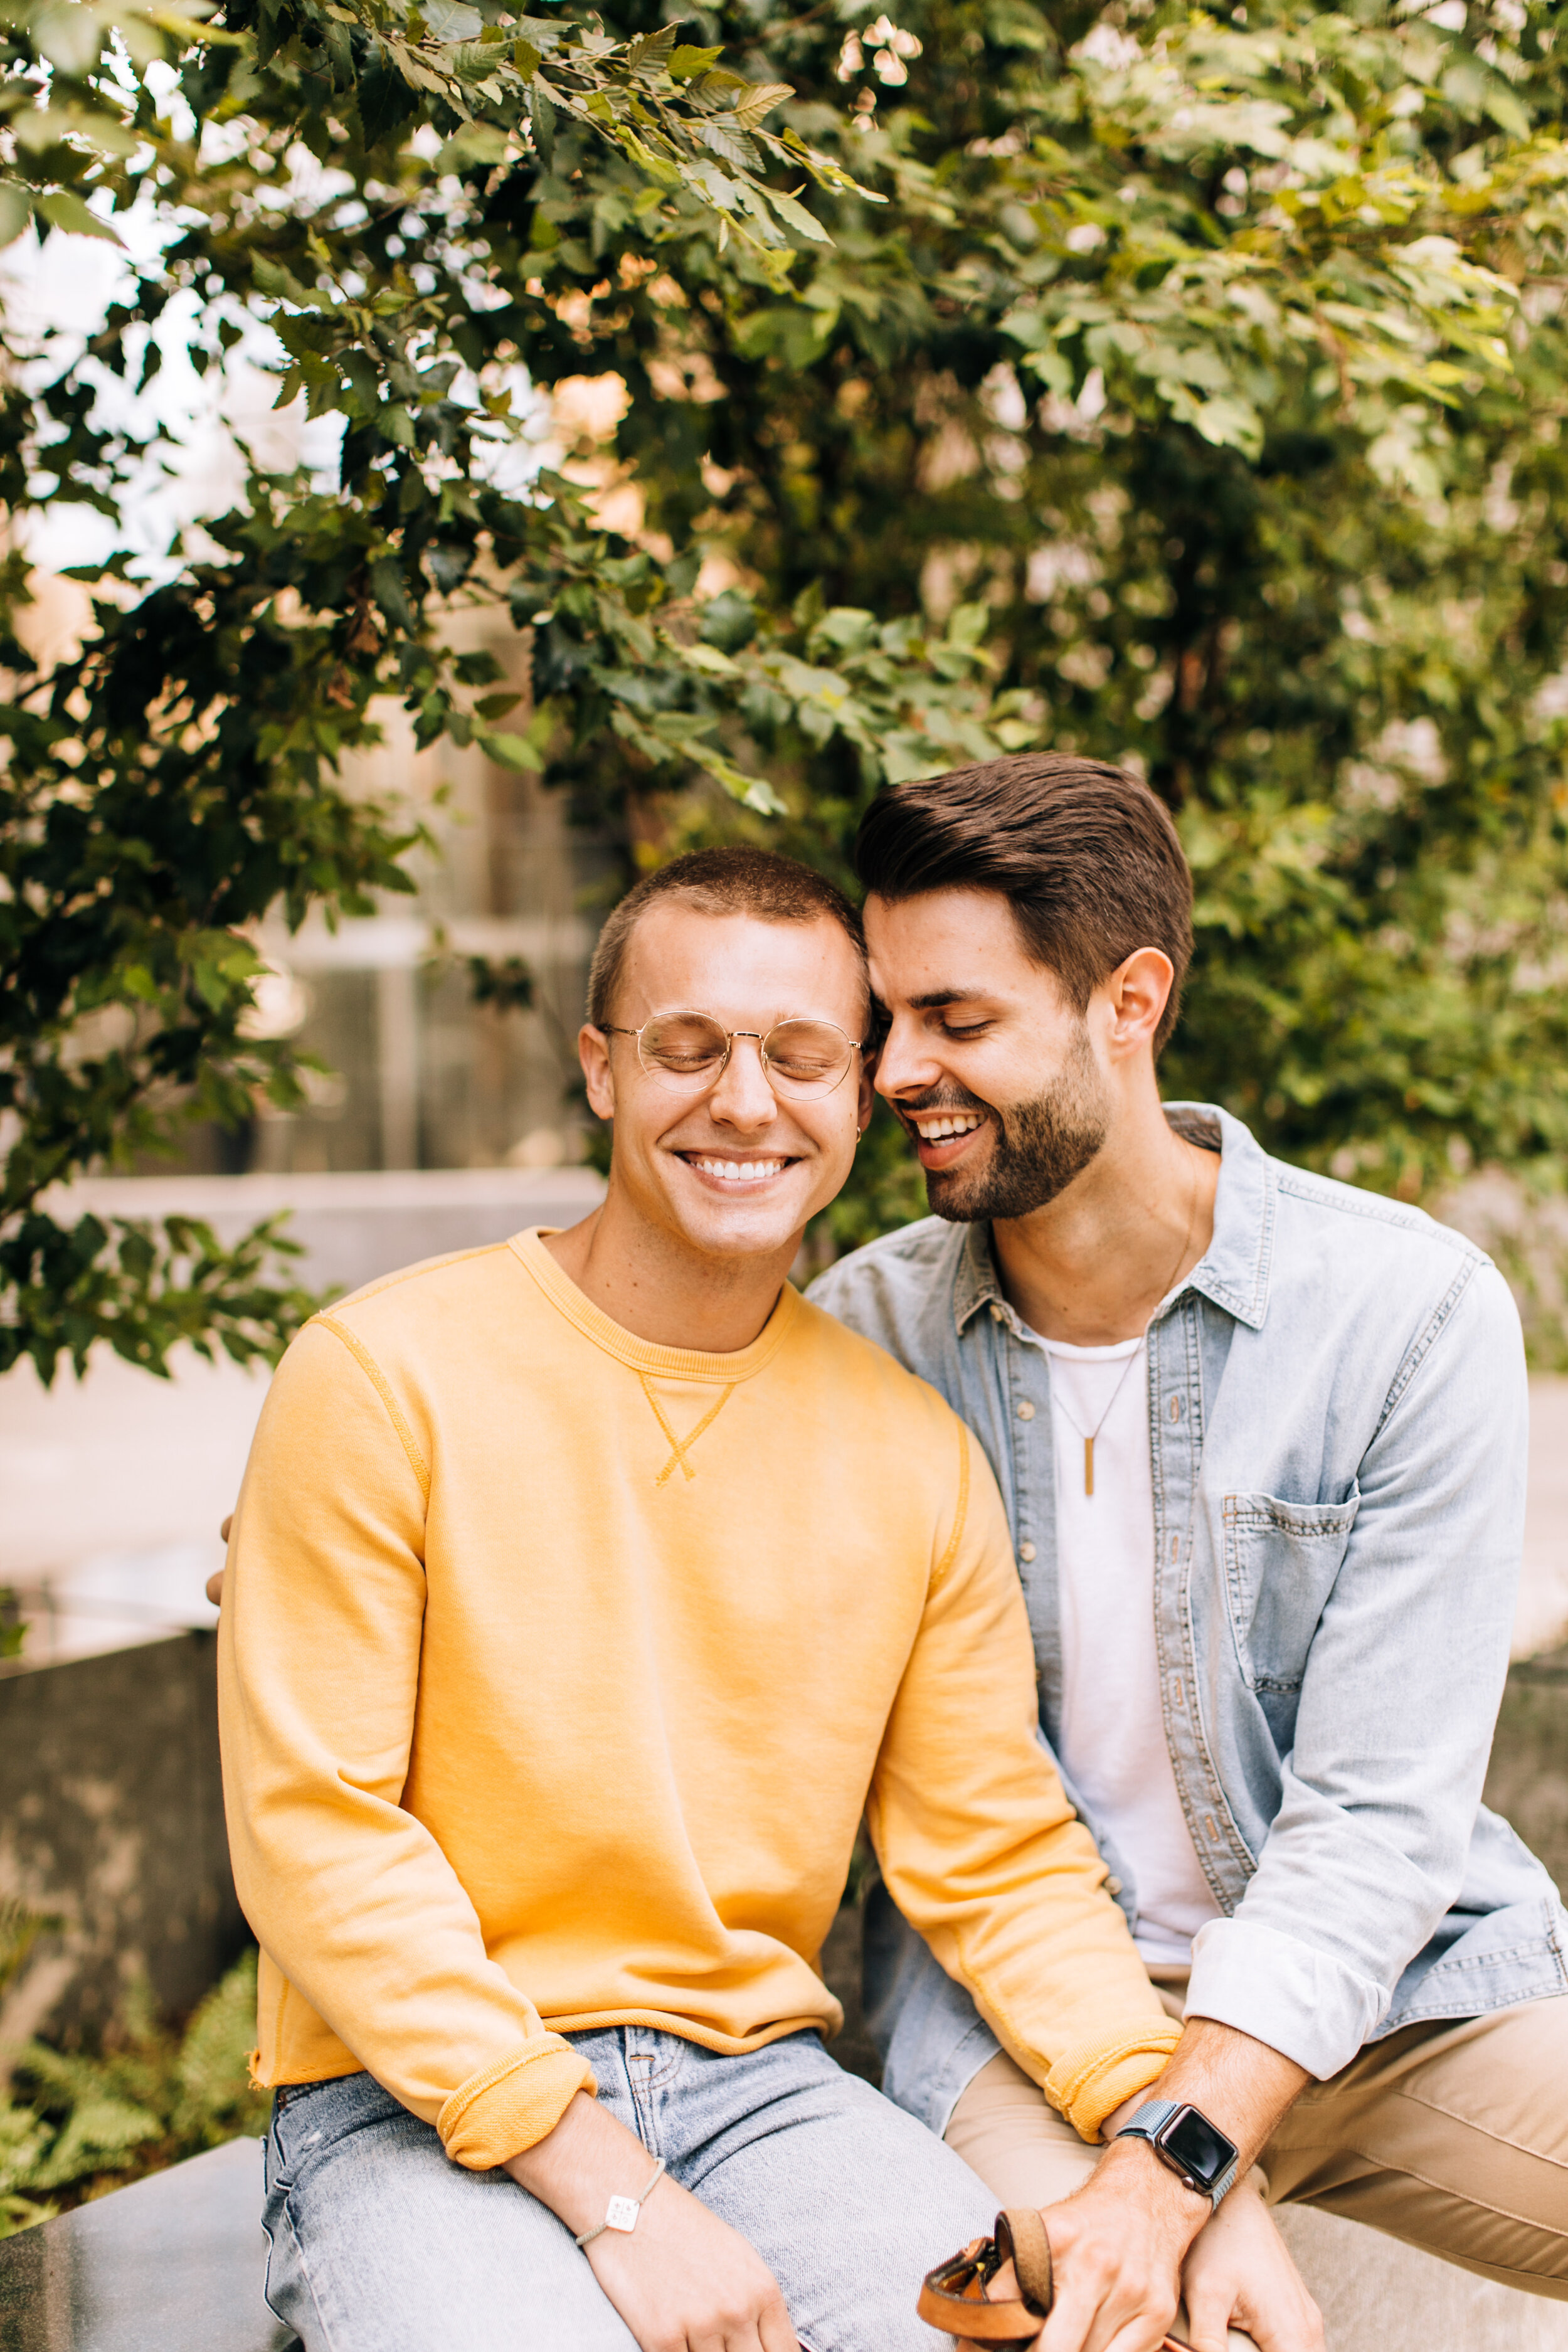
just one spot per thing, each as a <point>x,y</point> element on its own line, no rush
<point>642,1355</point>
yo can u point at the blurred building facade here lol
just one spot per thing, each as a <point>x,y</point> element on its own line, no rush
<point>420,1074</point>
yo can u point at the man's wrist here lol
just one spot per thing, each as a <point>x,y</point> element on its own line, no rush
<point>1189,2145</point>
<point>1130,2168</point>
<point>1123,2115</point>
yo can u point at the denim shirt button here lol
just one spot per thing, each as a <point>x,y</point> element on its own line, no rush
<point>1025,1410</point>
<point>1113,1886</point>
<point>1025,1553</point>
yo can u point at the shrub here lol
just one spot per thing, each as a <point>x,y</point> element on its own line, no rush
<point>76,2124</point>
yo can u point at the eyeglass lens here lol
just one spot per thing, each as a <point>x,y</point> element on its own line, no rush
<point>801,1057</point>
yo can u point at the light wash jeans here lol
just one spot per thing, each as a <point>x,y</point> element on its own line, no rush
<point>380,2244</point>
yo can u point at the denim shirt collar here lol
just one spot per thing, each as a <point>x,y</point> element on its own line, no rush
<point>1233,1270</point>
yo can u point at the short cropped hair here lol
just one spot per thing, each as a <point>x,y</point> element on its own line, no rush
<point>738,880</point>
<point>1085,854</point>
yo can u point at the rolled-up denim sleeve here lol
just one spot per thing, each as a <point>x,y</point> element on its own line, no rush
<point>1380,1791</point>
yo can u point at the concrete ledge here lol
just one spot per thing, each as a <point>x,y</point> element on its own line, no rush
<point>173,2264</point>
<point>177,2264</point>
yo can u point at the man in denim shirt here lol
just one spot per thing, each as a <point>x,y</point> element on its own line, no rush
<point>1262,1442</point>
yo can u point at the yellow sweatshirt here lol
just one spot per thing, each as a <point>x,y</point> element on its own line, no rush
<point>556,1669</point>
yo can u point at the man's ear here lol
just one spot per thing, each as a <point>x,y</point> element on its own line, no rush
<point>593,1053</point>
<point>1138,990</point>
<point>868,1092</point>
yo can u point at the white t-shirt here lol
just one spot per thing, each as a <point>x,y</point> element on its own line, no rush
<point>1112,1726</point>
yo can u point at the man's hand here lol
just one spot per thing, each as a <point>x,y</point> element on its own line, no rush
<point>683,2281</point>
<point>1119,2245</point>
<point>1117,2249</point>
<point>1115,2271</point>
<point>215,1582</point>
<point>1239,2274</point>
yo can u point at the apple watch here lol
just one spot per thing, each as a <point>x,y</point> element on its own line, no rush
<point>1196,2150</point>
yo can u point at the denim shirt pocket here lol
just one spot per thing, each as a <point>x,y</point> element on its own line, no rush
<point>1282,1560</point>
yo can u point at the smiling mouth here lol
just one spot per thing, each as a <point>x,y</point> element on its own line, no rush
<point>943,1127</point>
<point>738,1172</point>
<point>942,1137</point>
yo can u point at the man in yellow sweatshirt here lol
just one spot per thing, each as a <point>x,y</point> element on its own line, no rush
<point>583,1593</point>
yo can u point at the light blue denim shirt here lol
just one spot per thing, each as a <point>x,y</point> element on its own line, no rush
<point>1337,1416</point>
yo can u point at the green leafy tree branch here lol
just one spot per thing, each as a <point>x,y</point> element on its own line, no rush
<point>1178,386</point>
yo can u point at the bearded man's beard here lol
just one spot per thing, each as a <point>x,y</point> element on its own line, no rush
<point>1036,1148</point>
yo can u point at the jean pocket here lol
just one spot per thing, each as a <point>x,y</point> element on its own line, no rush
<point>1281,1562</point>
<point>306,2114</point>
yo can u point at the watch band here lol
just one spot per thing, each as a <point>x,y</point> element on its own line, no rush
<point>621,2212</point>
<point>1151,2117</point>
<point>1148,2123</point>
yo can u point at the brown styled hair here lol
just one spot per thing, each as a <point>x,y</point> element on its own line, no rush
<point>1085,854</point>
<point>734,881</point>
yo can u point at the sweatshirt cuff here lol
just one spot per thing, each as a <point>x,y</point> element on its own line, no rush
<point>1090,2082</point>
<point>510,2105</point>
<point>1300,2000</point>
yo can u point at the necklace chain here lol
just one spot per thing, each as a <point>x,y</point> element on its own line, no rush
<point>1089,1435</point>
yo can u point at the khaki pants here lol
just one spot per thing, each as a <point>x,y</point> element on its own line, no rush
<point>1452,2138</point>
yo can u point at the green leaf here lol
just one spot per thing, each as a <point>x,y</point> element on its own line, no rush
<point>686,64</point>
<point>388,588</point>
<point>1227,421</point>
<point>795,216</point>
<point>186,25</point>
<point>1505,109</point>
<point>542,115</point>
<point>708,659</point>
<point>512,751</point>
<point>103,2131</point>
<point>729,621</point>
<point>69,35</point>
<point>385,98</point>
<point>15,211</point>
<point>452,20</point>
<point>651,52</point>
<point>759,99</point>
<point>64,211</point>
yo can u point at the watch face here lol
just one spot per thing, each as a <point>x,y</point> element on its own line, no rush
<point>1196,2147</point>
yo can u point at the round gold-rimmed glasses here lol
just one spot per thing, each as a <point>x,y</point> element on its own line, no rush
<point>689,1051</point>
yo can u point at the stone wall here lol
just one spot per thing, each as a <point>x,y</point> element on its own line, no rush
<point>111,1820</point>
<point>1528,1782</point>
<point>111,1825</point>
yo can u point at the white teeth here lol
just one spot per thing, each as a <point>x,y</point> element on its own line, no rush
<point>938,1130</point>
<point>740,1171</point>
